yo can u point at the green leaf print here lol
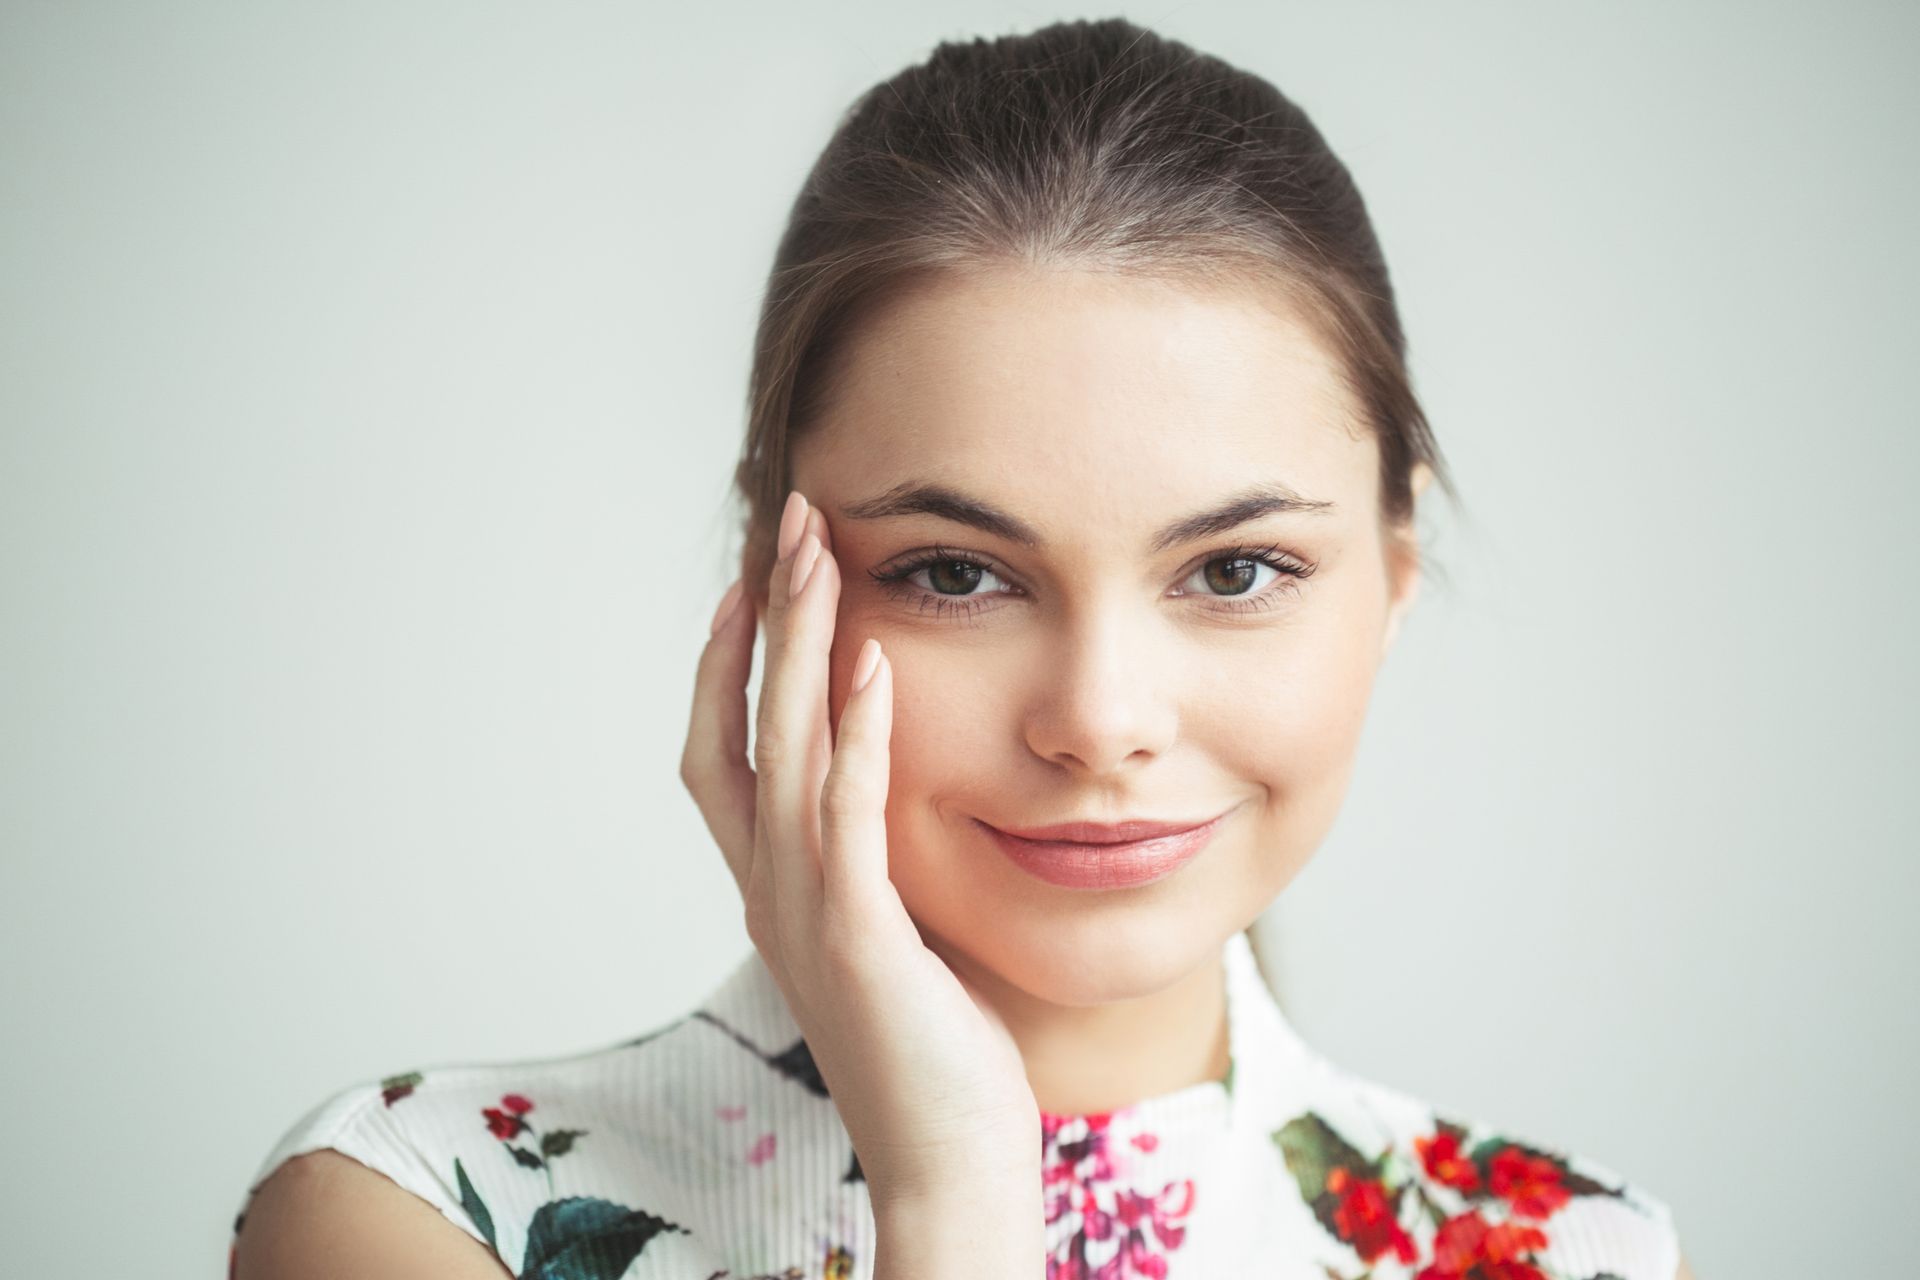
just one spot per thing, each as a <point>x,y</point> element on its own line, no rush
<point>1313,1150</point>
<point>559,1141</point>
<point>795,1062</point>
<point>581,1238</point>
<point>476,1207</point>
<point>797,1065</point>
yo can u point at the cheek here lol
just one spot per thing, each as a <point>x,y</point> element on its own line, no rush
<point>1286,710</point>
<point>942,713</point>
<point>946,727</point>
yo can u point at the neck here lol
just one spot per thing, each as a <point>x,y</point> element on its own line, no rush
<point>1083,1061</point>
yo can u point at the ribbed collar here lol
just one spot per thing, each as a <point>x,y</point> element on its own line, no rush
<point>1272,1071</point>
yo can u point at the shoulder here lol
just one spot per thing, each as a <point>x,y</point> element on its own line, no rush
<point>650,1144</point>
<point>323,1213</point>
<point>417,1159</point>
<point>1470,1188</point>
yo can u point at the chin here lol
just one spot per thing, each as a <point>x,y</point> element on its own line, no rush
<point>1084,960</point>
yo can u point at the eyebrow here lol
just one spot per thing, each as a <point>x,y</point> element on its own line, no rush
<point>918,498</point>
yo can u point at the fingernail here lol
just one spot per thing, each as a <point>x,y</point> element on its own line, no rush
<point>725,608</point>
<point>803,561</point>
<point>793,519</point>
<point>817,521</point>
<point>866,664</point>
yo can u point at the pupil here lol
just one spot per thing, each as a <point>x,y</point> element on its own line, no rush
<point>968,575</point>
<point>1235,583</point>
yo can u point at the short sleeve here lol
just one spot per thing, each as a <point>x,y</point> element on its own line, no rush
<point>1631,1228</point>
<point>358,1122</point>
<point>1582,1216</point>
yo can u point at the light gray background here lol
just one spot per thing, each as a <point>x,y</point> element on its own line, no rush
<point>370,377</point>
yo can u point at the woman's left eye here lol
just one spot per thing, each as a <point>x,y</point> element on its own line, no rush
<point>1235,575</point>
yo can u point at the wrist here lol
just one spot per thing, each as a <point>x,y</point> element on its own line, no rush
<point>969,1229</point>
<point>926,1177</point>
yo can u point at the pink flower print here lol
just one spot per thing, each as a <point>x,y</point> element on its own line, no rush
<point>1162,1212</point>
<point>1107,1231</point>
<point>762,1150</point>
<point>730,1114</point>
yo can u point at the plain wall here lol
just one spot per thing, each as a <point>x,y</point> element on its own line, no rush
<point>370,382</point>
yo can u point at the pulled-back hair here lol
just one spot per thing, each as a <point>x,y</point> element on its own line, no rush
<point>1092,144</point>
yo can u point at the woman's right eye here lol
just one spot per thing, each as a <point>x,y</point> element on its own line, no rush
<point>953,577</point>
<point>939,581</point>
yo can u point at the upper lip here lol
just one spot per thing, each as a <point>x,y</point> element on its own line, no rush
<point>1106,832</point>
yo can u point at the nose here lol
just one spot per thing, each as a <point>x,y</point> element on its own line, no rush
<point>1104,700</point>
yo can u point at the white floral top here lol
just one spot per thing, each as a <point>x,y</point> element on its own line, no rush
<point>709,1148</point>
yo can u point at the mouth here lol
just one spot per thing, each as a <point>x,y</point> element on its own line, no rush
<point>1091,855</point>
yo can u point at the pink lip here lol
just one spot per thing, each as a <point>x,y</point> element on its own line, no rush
<point>1091,855</point>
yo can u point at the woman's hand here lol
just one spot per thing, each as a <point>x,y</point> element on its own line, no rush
<point>928,1082</point>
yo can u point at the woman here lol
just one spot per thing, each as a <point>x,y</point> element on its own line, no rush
<point>1081,473</point>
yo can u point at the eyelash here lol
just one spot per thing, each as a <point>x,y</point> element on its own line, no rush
<point>893,578</point>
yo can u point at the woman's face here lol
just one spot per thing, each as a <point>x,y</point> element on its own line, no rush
<point>1126,661</point>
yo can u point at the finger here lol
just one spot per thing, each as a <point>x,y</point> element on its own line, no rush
<point>853,802</point>
<point>714,765</point>
<point>823,741</point>
<point>817,525</point>
<point>788,759</point>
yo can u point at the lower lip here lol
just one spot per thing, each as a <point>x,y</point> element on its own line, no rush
<point>1104,866</point>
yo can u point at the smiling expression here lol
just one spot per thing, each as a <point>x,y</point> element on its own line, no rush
<point>1122,541</point>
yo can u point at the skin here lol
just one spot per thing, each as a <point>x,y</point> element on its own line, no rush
<point>1098,677</point>
<point>1095,409</point>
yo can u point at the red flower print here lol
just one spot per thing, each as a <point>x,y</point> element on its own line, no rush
<point>509,1120</point>
<point>1357,1198</point>
<point>1364,1217</point>
<point>502,1125</point>
<point>1440,1156</point>
<point>1531,1184</point>
<point>1468,1247</point>
<point>394,1088</point>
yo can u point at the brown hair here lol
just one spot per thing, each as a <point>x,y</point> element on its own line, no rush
<point>1092,143</point>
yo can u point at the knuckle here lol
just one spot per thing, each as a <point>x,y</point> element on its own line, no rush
<point>769,746</point>
<point>844,799</point>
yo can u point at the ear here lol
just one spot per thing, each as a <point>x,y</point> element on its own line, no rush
<point>1403,563</point>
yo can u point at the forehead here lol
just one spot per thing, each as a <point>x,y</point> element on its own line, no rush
<point>1062,389</point>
